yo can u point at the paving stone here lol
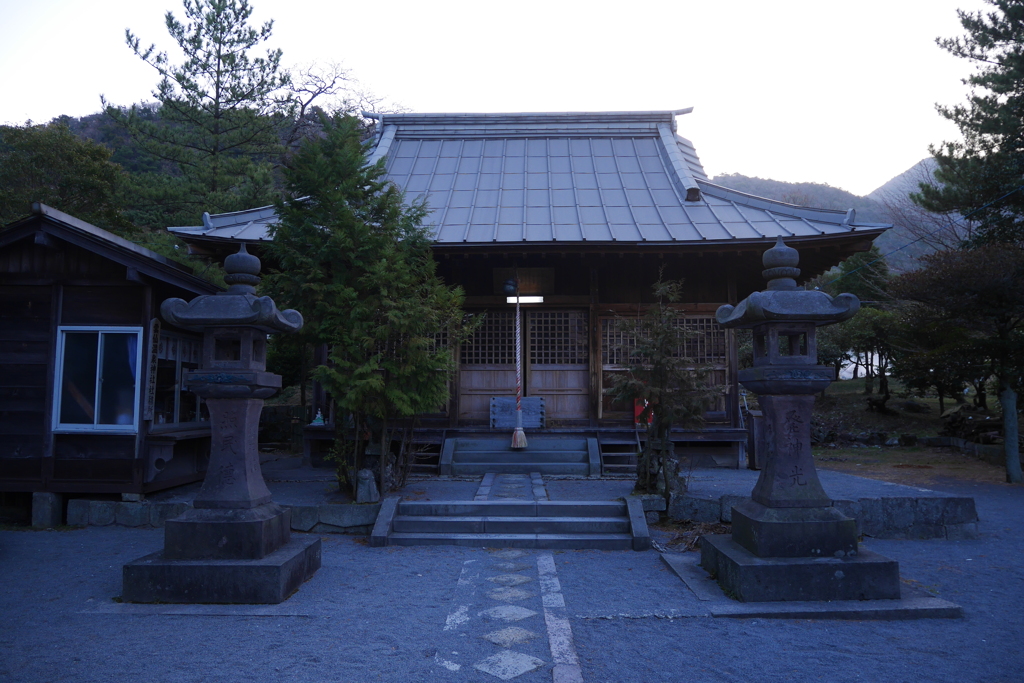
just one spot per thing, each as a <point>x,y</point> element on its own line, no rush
<point>509,579</point>
<point>508,664</point>
<point>131,514</point>
<point>510,554</point>
<point>78,512</point>
<point>512,566</point>
<point>101,512</point>
<point>508,613</point>
<point>507,637</point>
<point>509,594</point>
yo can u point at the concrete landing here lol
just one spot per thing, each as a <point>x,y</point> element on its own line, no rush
<point>913,603</point>
<point>882,509</point>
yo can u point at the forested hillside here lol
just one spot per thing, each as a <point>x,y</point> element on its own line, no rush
<point>880,206</point>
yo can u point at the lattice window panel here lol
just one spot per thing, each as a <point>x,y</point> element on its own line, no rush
<point>178,348</point>
<point>705,343</point>
<point>559,338</point>
<point>493,343</point>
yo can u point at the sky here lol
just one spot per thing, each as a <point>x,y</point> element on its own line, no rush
<point>824,91</point>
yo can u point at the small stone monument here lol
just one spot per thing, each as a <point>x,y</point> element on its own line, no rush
<point>235,544</point>
<point>788,542</point>
<point>366,487</point>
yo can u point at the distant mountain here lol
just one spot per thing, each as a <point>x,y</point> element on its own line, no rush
<point>877,207</point>
<point>902,185</point>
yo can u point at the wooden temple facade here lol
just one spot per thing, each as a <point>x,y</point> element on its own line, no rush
<point>586,209</point>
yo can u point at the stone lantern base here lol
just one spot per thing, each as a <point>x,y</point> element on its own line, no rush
<point>224,556</point>
<point>749,578</point>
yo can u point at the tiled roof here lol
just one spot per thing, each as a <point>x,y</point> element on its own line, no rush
<point>561,177</point>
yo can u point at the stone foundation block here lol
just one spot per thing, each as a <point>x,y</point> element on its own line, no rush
<point>960,510</point>
<point>728,503</point>
<point>852,509</point>
<point>161,512</point>
<point>131,514</point>
<point>898,513</point>
<point>78,512</point>
<point>864,576</point>
<point>101,512</point>
<point>872,518</point>
<point>304,517</point>
<point>47,510</point>
<point>695,509</point>
<point>269,580</point>
<point>346,515</point>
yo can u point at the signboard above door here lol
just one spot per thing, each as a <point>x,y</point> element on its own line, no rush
<point>532,281</point>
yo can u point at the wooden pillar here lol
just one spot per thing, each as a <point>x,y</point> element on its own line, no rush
<point>595,351</point>
<point>732,373</point>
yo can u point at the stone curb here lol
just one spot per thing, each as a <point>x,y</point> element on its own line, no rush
<point>327,518</point>
<point>953,518</point>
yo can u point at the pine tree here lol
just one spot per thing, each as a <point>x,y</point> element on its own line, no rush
<point>219,116</point>
<point>989,163</point>
<point>356,261</point>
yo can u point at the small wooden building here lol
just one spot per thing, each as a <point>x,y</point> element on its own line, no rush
<point>587,209</point>
<point>91,397</point>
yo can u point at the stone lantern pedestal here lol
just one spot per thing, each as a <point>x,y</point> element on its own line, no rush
<point>235,544</point>
<point>788,542</point>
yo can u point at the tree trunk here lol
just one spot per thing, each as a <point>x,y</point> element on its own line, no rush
<point>1008,402</point>
<point>942,404</point>
<point>385,446</point>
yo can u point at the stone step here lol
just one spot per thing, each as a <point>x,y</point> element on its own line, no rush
<point>505,444</point>
<point>520,456</point>
<point>546,541</point>
<point>513,508</point>
<point>467,468</point>
<point>516,525</point>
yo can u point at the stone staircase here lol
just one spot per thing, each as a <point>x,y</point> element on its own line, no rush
<point>467,456</point>
<point>602,525</point>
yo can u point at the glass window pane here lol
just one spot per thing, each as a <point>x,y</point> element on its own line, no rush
<point>117,378</point>
<point>78,388</point>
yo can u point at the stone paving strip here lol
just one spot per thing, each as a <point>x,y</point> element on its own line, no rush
<point>495,604</point>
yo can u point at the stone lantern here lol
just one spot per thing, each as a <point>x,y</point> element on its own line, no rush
<point>788,542</point>
<point>234,545</point>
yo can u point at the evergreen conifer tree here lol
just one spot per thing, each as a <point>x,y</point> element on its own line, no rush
<point>673,389</point>
<point>356,261</point>
<point>988,164</point>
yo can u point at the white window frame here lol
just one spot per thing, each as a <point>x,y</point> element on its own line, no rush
<point>58,380</point>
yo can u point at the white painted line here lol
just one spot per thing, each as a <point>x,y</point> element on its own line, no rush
<point>457,618</point>
<point>563,650</point>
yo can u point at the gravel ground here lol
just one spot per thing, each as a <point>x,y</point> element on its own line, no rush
<point>379,615</point>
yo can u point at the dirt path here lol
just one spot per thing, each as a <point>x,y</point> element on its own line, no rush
<point>913,467</point>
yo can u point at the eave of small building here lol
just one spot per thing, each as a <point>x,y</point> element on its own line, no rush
<point>45,222</point>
